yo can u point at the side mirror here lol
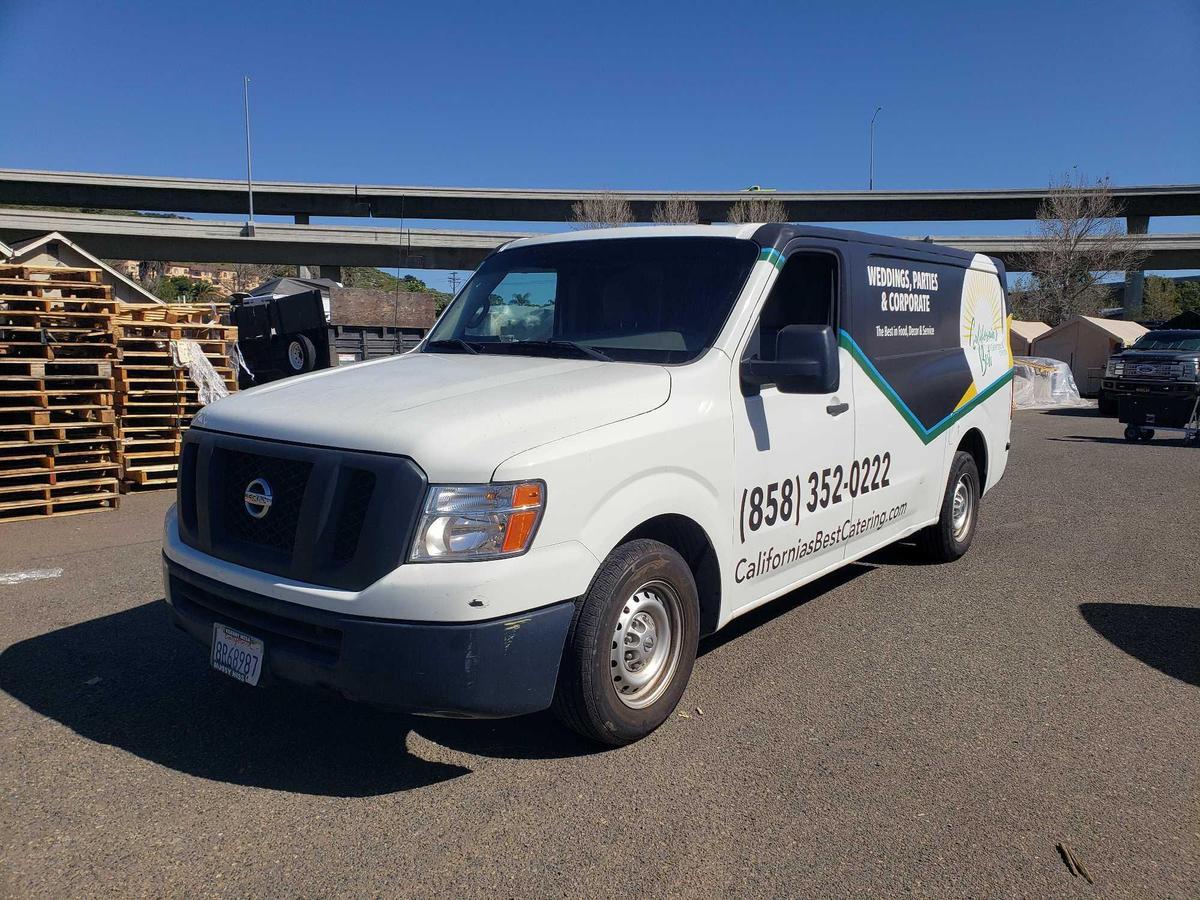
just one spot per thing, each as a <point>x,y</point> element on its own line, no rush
<point>806,362</point>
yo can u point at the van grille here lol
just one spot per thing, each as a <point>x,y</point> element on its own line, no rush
<point>287,479</point>
<point>340,518</point>
<point>355,500</point>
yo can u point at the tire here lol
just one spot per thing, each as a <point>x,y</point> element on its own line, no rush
<point>607,691</point>
<point>1132,433</point>
<point>1147,435</point>
<point>951,535</point>
<point>1106,404</point>
<point>299,355</point>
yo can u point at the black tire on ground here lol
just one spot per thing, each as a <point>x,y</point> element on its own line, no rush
<point>299,354</point>
<point>612,616</point>
<point>1106,404</point>
<point>1147,435</point>
<point>944,540</point>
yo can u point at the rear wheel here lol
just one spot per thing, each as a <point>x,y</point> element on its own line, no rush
<point>632,645</point>
<point>950,536</point>
<point>1133,434</point>
<point>300,355</point>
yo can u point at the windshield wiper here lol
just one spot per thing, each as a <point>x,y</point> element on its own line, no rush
<point>584,349</point>
<point>447,343</point>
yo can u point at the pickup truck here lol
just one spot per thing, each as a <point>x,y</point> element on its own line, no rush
<point>1163,364</point>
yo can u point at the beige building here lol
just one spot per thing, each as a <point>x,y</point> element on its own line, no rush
<point>226,279</point>
<point>1022,335</point>
<point>1085,343</point>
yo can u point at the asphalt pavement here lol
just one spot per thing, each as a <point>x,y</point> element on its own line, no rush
<point>897,729</point>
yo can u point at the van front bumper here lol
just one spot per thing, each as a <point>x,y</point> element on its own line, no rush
<point>486,669</point>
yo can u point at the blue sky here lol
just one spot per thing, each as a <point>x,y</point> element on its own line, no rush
<point>613,95</point>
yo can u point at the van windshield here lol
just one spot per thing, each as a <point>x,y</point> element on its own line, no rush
<point>650,299</point>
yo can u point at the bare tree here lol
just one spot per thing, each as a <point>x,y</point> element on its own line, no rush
<point>601,210</point>
<point>1082,244</point>
<point>248,276</point>
<point>760,209</point>
<point>675,210</point>
<point>151,271</point>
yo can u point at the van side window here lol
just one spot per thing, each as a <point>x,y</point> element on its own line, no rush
<point>805,293</point>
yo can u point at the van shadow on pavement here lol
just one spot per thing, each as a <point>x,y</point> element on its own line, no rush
<point>1165,637</point>
<point>157,699</point>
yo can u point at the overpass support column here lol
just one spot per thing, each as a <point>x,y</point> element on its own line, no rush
<point>302,219</point>
<point>333,273</point>
<point>1135,281</point>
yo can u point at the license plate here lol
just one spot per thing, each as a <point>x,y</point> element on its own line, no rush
<point>236,654</point>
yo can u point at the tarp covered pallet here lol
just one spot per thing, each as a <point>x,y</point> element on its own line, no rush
<point>156,393</point>
<point>58,437</point>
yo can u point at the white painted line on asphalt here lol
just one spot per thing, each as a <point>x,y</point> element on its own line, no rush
<point>29,575</point>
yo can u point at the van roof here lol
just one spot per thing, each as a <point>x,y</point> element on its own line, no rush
<point>766,234</point>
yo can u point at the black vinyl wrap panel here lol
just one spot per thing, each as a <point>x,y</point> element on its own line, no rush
<point>905,326</point>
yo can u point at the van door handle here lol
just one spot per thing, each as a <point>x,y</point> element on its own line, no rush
<point>836,409</point>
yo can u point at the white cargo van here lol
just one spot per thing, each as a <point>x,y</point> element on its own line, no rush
<point>611,444</point>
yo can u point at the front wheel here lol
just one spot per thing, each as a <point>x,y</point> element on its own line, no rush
<point>632,645</point>
<point>950,536</point>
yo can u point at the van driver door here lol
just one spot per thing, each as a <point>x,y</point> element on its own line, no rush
<point>792,452</point>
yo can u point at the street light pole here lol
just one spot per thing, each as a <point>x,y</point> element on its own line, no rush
<point>249,178</point>
<point>871,153</point>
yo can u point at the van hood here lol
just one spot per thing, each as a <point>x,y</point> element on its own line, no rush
<point>458,416</point>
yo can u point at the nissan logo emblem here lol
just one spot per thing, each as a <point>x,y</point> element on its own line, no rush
<point>257,498</point>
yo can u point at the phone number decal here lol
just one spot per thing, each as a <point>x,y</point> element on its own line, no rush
<point>781,501</point>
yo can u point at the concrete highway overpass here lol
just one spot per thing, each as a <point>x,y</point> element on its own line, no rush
<point>188,240</point>
<point>206,195</point>
<point>145,238</point>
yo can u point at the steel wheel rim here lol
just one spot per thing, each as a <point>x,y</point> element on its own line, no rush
<point>296,355</point>
<point>646,645</point>
<point>961,507</point>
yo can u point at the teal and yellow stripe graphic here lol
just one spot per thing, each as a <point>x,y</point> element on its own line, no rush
<point>772,256</point>
<point>969,402</point>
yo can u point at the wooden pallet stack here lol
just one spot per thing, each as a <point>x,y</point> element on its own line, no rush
<point>156,398</point>
<point>58,437</point>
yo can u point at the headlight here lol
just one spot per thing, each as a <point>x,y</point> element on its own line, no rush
<point>1191,370</point>
<point>1115,368</point>
<point>478,521</point>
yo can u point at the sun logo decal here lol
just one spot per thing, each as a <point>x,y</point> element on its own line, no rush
<point>981,325</point>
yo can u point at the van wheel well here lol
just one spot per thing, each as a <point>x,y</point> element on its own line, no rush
<point>690,541</point>
<point>974,443</point>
